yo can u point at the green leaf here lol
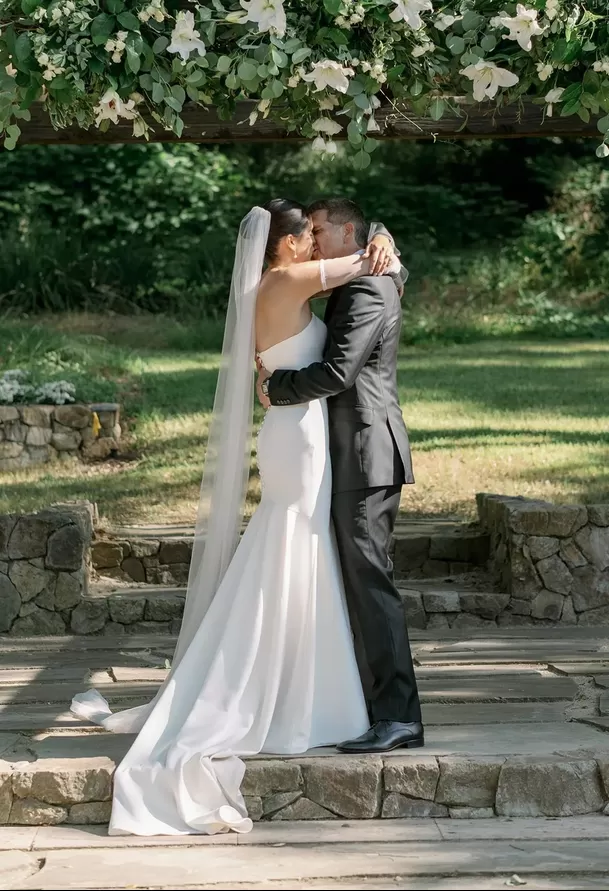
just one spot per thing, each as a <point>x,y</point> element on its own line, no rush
<point>572,92</point>
<point>232,81</point>
<point>224,64</point>
<point>178,93</point>
<point>115,6</point>
<point>333,7</point>
<point>603,124</point>
<point>355,87</point>
<point>471,20</point>
<point>291,45</point>
<point>455,44</point>
<point>96,65</point>
<point>133,60</point>
<point>146,82</point>
<point>247,70</point>
<point>195,77</point>
<point>354,134</point>
<point>362,101</point>
<point>173,103</point>
<point>279,58</point>
<point>339,37</point>
<point>436,109</point>
<point>584,114</point>
<point>361,160</point>
<point>58,83</point>
<point>158,92</point>
<point>416,88</point>
<point>394,73</point>
<point>277,88</point>
<point>102,27</point>
<point>488,43</point>
<point>192,92</point>
<point>301,54</point>
<point>299,91</point>
<point>370,145</point>
<point>160,45</point>
<point>129,21</point>
<point>23,47</point>
<point>178,127</point>
<point>28,6</point>
<point>570,107</point>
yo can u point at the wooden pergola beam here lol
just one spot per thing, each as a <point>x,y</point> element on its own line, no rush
<point>203,125</point>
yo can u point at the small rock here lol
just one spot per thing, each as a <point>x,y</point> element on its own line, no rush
<point>29,812</point>
<point>598,514</point>
<point>29,538</point>
<point>126,609</point>
<point>77,416</point>
<point>396,806</point>
<point>15,431</point>
<point>468,782</point>
<point>276,802</point>
<point>541,546</point>
<point>471,813</point>
<point>568,616</point>
<point>347,786</point>
<point>90,813</point>
<point>441,601</point>
<point>547,605</point>
<point>487,605</point>
<point>66,548</point>
<point>36,415</point>
<point>263,778</point>
<point>10,603</point>
<point>38,622</point>
<point>144,547</point>
<point>29,579</point>
<point>89,616</point>
<point>68,591</point>
<point>593,542</point>
<point>134,569</point>
<point>571,554</point>
<point>304,809</point>
<point>555,574</point>
<point>163,608</point>
<point>590,588</point>
<point>253,803</point>
<point>537,786</point>
<point>65,442</point>
<point>105,554</point>
<point>413,608</point>
<point>175,551</point>
<point>65,787</point>
<point>416,777</point>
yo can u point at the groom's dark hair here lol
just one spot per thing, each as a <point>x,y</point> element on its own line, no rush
<point>341,211</point>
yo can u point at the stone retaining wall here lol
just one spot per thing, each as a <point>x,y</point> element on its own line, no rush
<point>143,560</point>
<point>44,561</point>
<point>342,787</point>
<point>552,560</point>
<point>36,434</point>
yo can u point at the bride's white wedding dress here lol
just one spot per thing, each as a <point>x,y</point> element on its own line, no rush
<point>272,666</point>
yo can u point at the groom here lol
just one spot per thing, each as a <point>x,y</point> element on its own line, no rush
<point>371,461</point>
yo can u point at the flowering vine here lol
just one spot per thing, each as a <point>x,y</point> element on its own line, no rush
<point>321,67</point>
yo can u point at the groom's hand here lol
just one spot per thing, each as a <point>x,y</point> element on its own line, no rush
<point>263,375</point>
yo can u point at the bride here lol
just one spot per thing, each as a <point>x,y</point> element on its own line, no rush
<point>265,660</point>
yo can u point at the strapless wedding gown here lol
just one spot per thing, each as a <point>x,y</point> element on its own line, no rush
<point>272,667</point>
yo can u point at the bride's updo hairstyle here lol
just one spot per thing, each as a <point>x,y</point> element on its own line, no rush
<point>287,218</point>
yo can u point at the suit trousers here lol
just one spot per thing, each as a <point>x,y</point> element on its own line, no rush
<point>364,520</point>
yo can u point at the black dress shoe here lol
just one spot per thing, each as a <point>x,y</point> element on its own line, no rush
<point>385,736</point>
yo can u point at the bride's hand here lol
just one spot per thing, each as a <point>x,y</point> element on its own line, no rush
<point>380,252</point>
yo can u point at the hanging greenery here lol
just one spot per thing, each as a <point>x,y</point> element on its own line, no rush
<point>321,67</point>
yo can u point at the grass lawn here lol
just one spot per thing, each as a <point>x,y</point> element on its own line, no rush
<point>510,416</point>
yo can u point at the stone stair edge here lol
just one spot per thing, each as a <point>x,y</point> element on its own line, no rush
<point>312,787</point>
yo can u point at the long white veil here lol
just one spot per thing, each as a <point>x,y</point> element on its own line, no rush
<point>226,469</point>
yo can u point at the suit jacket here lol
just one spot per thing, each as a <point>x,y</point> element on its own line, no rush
<point>369,444</point>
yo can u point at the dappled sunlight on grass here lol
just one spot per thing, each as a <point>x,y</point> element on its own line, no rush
<point>522,418</point>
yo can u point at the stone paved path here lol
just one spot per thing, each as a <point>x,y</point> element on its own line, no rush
<point>516,724</point>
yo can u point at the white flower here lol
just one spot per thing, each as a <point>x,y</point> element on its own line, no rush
<point>423,48</point>
<point>143,15</point>
<point>43,59</point>
<point>117,56</point>
<point>523,26</point>
<point>294,81</point>
<point>330,74</point>
<point>140,128</point>
<point>602,65</point>
<point>112,107</point>
<point>267,14</point>
<point>372,125</point>
<point>544,70</point>
<point>410,11</point>
<point>326,125</point>
<point>56,392</point>
<point>602,151</point>
<point>445,20</point>
<point>551,9</point>
<point>324,146</point>
<point>327,103</point>
<point>264,105</point>
<point>355,18</point>
<point>185,39</point>
<point>109,46</point>
<point>488,77</point>
<point>551,97</point>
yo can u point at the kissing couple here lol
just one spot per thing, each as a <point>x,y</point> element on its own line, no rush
<point>293,635</point>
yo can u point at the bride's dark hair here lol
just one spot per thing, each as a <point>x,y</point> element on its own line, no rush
<point>287,218</point>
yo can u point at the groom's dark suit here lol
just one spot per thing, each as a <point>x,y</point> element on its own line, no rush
<point>371,461</point>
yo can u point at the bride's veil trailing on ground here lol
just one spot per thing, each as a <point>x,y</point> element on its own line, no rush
<point>227,461</point>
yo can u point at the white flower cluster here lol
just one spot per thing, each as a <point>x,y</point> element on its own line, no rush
<point>351,13</point>
<point>56,393</point>
<point>155,10</point>
<point>117,45</point>
<point>51,65</point>
<point>602,65</point>
<point>15,387</point>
